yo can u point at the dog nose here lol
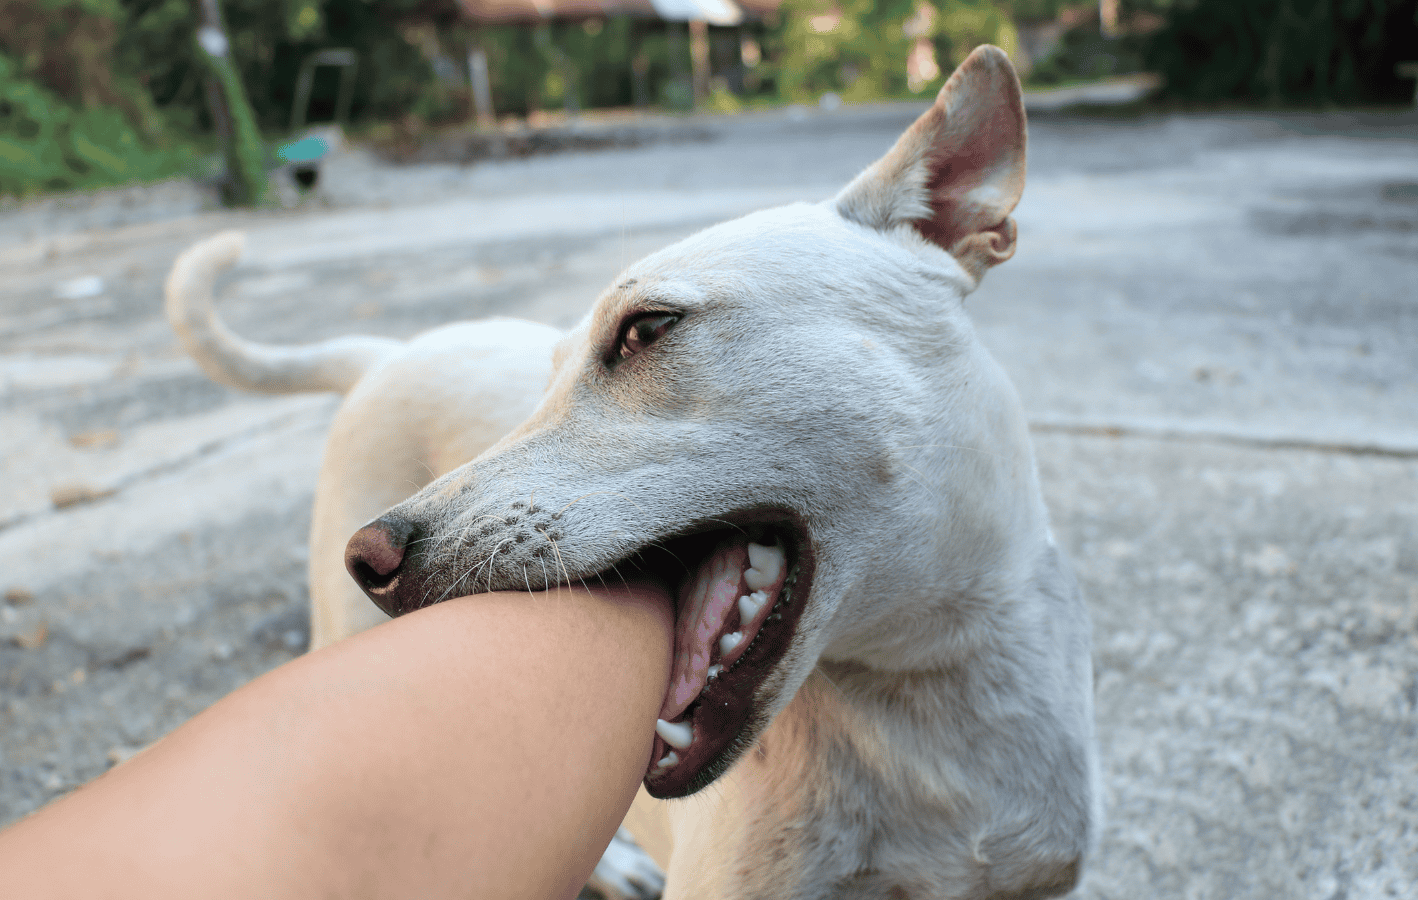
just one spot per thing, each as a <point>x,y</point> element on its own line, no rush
<point>375,558</point>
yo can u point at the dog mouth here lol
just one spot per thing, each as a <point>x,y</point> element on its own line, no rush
<point>738,593</point>
<point>738,583</point>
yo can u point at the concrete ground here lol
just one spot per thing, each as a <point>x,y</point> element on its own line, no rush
<point>1212,321</point>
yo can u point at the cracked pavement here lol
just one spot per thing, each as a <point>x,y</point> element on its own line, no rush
<point>1211,321</point>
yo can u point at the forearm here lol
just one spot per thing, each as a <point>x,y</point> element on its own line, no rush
<point>484,747</point>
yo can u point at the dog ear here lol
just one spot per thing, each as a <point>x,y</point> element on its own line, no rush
<point>957,173</point>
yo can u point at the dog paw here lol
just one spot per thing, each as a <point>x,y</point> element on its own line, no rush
<point>626,872</point>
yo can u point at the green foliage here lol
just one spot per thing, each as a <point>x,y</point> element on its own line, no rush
<point>963,25</point>
<point>859,48</point>
<point>1037,10</point>
<point>1275,51</point>
<point>68,46</point>
<point>269,41</point>
<point>535,68</point>
<point>596,57</point>
<point>1084,54</point>
<point>48,144</point>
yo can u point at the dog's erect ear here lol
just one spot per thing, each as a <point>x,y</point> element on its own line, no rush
<point>957,173</point>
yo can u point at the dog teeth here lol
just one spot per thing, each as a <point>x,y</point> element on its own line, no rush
<point>750,604</point>
<point>728,642</point>
<point>678,735</point>
<point>765,564</point>
<point>670,759</point>
<point>714,671</point>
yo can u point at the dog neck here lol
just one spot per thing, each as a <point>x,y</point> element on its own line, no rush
<point>960,758</point>
<point>954,556</point>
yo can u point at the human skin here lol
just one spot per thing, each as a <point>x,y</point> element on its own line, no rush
<point>483,747</point>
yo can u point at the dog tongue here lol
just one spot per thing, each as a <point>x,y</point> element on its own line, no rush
<point>706,599</point>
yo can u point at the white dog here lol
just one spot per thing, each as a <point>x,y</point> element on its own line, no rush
<point>882,659</point>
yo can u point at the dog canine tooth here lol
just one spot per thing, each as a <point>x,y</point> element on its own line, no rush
<point>728,642</point>
<point>764,565</point>
<point>714,671</point>
<point>669,759</point>
<point>678,735</point>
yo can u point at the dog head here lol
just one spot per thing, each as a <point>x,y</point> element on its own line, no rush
<point>787,418</point>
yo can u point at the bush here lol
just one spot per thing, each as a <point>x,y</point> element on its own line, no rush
<point>1277,51</point>
<point>109,91</point>
<point>48,144</point>
<point>69,117</point>
<point>269,41</point>
<point>859,48</point>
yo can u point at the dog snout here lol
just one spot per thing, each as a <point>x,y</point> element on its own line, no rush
<point>375,558</point>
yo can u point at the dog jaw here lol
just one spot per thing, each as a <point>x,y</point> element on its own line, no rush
<point>735,618</point>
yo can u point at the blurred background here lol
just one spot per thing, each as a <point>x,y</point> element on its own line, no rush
<point>1212,321</point>
<point>100,92</point>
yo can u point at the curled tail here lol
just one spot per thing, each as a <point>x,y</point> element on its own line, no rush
<point>333,365</point>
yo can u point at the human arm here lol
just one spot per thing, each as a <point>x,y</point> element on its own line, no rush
<point>484,747</point>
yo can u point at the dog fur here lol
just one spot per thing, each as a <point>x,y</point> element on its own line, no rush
<point>928,731</point>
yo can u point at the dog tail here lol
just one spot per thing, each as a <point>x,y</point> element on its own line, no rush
<point>333,365</point>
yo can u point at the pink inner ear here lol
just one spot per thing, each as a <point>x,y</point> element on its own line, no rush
<point>957,173</point>
<point>960,163</point>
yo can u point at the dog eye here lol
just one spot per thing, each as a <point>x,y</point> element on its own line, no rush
<point>643,331</point>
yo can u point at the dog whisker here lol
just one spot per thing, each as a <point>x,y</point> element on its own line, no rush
<point>489,566</point>
<point>499,519</point>
<point>660,545</point>
<point>728,524</point>
<point>920,482</point>
<point>491,556</point>
<point>442,542</point>
<point>450,589</point>
<point>471,575</point>
<point>566,576</point>
<point>618,574</point>
<point>456,539</point>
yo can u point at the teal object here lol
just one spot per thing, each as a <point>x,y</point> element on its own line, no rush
<point>306,150</point>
